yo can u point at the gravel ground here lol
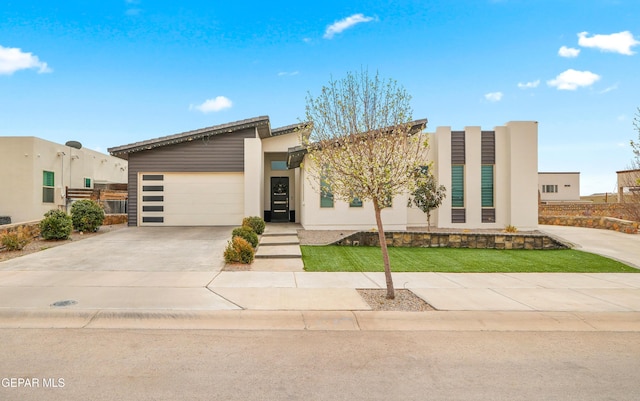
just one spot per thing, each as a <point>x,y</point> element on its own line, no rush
<point>321,237</point>
<point>405,301</point>
<point>38,244</point>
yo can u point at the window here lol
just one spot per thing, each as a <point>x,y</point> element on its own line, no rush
<point>48,181</point>
<point>326,197</point>
<point>355,202</point>
<point>87,182</point>
<point>279,165</point>
<point>487,186</point>
<point>457,186</point>
<point>549,188</point>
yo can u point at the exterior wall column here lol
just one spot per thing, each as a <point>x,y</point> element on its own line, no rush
<point>524,173</point>
<point>443,151</point>
<point>253,177</point>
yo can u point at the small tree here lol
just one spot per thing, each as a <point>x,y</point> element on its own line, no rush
<point>364,145</point>
<point>427,195</point>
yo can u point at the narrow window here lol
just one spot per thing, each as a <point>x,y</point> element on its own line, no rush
<point>457,186</point>
<point>48,182</point>
<point>277,165</point>
<point>355,202</point>
<point>487,186</point>
<point>326,197</point>
<point>87,182</point>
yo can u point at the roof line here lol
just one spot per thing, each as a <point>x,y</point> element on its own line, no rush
<point>190,135</point>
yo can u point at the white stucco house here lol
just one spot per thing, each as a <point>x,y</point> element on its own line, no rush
<point>35,172</point>
<point>220,174</point>
<point>559,186</point>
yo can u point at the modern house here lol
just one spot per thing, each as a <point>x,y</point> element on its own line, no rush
<point>35,174</point>
<point>559,186</point>
<point>220,174</point>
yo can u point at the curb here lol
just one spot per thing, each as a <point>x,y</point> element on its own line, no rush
<point>321,320</point>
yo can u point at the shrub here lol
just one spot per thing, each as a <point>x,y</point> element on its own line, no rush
<point>510,229</point>
<point>239,251</point>
<point>255,222</point>
<point>87,215</point>
<point>247,234</point>
<point>56,225</point>
<point>15,241</point>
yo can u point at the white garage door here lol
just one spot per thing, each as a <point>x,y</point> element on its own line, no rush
<point>191,199</point>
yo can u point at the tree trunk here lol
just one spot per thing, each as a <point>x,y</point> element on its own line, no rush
<point>428,220</point>
<point>385,252</point>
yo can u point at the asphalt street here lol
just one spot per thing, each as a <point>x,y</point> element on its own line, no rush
<point>110,364</point>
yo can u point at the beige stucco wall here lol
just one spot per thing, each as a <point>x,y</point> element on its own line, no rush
<point>343,217</point>
<point>22,162</point>
<point>515,186</point>
<point>253,173</point>
<point>515,176</point>
<point>568,186</point>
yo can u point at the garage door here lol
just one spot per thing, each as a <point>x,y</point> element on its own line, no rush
<point>191,199</point>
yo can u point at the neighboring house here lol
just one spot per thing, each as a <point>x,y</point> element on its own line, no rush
<point>35,174</point>
<point>559,186</point>
<point>220,174</point>
<point>628,183</point>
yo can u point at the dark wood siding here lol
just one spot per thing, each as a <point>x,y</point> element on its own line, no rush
<point>457,147</point>
<point>488,147</point>
<point>219,153</point>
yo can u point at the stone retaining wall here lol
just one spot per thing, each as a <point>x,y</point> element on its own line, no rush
<point>32,228</point>
<point>29,228</point>
<point>616,210</point>
<point>455,240</point>
<point>606,223</point>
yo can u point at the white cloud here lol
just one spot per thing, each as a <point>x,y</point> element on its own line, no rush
<point>345,23</point>
<point>620,42</point>
<point>286,73</point>
<point>493,96</point>
<point>529,85</point>
<point>13,59</point>
<point>568,52</point>
<point>213,105</point>
<point>572,79</point>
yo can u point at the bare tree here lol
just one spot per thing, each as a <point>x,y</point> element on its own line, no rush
<point>427,195</point>
<point>365,145</point>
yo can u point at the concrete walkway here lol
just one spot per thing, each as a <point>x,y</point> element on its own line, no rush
<point>128,292</point>
<point>612,244</point>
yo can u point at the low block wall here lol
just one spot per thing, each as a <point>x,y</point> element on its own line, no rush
<point>112,219</point>
<point>29,228</point>
<point>455,240</point>
<point>32,228</point>
<point>615,210</point>
<point>605,223</point>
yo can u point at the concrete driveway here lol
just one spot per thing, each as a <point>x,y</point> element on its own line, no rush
<point>139,249</point>
<point>615,245</point>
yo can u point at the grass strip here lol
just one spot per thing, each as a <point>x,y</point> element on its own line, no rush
<point>458,260</point>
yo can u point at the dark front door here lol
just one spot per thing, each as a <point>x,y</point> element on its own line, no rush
<point>279,198</point>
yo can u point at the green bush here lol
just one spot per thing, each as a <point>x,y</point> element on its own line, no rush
<point>87,215</point>
<point>56,225</point>
<point>239,251</point>
<point>255,222</point>
<point>247,234</point>
<point>15,241</point>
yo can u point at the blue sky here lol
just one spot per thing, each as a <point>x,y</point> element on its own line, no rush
<point>114,72</point>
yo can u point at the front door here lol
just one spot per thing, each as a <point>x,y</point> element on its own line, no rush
<point>279,198</point>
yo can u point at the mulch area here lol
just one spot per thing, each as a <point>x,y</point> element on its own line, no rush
<point>404,301</point>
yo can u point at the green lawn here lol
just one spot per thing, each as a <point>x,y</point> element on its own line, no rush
<point>452,260</point>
